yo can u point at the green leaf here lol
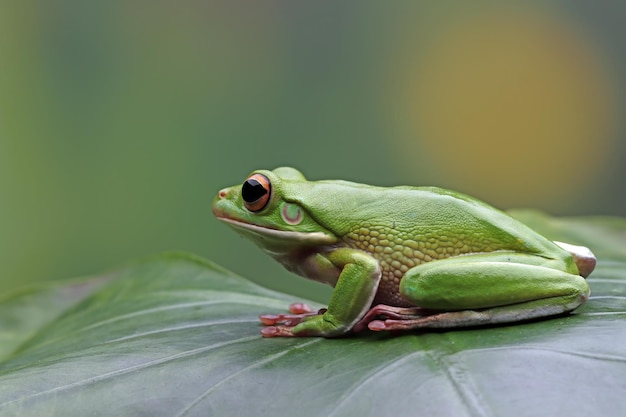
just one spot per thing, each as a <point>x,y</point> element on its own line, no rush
<point>175,335</point>
<point>24,312</point>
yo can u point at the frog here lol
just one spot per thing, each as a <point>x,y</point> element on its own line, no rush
<point>401,258</point>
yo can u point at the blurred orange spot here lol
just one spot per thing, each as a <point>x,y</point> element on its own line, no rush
<point>516,104</point>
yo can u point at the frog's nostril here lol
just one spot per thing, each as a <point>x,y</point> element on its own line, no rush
<point>222,193</point>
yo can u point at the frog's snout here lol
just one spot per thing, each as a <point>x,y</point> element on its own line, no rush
<point>217,206</point>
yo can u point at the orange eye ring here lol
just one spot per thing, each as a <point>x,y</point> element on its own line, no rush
<point>256,192</point>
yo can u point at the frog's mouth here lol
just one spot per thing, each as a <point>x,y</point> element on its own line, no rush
<point>268,235</point>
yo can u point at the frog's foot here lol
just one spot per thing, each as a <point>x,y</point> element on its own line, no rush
<point>526,311</point>
<point>281,324</point>
<point>388,313</point>
<point>442,320</point>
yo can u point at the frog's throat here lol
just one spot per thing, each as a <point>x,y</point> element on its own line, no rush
<point>308,238</point>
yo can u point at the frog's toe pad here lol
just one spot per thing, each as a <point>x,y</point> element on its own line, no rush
<point>377,325</point>
<point>300,308</point>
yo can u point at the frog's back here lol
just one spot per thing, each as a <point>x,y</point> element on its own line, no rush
<point>403,227</point>
<point>440,222</point>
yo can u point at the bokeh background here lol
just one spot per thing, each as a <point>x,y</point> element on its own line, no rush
<point>119,120</point>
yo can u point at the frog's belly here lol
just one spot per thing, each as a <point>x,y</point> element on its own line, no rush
<point>398,251</point>
<point>389,291</point>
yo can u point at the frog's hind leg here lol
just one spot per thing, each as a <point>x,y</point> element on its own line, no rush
<point>482,289</point>
<point>584,259</point>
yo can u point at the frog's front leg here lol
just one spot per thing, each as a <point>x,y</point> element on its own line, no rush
<point>350,300</point>
<point>481,289</point>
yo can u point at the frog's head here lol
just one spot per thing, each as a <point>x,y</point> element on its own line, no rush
<point>267,210</point>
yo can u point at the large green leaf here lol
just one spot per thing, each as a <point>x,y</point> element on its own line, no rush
<point>175,335</point>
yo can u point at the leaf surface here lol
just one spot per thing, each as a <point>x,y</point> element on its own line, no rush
<point>175,335</point>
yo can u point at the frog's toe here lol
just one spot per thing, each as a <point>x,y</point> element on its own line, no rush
<point>298,313</point>
<point>277,331</point>
<point>270,319</point>
<point>300,308</point>
<point>377,325</point>
<point>285,319</point>
<point>377,317</point>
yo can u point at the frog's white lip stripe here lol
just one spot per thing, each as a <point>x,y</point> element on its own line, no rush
<point>306,237</point>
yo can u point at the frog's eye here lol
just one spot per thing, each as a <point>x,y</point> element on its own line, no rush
<point>256,191</point>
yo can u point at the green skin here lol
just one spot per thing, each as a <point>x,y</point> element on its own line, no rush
<point>401,257</point>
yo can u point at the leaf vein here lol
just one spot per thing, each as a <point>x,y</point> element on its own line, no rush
<point>146,365</point>
<point>386,366</point>
<point>255,365</point>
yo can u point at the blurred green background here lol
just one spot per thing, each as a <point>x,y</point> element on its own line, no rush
<point>119,120</point>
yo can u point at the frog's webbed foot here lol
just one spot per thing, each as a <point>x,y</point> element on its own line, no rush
<point>280,325</point>
<point>388,318</point>
<point>465,318</point>
<point>468,318</point>
<point>377,317</point>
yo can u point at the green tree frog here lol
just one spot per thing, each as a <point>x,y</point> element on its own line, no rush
<point>401,257</point>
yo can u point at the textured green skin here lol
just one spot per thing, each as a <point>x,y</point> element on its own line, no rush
<point>376,245</point>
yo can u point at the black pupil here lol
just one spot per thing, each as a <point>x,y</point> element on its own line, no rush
<point>252,190</point>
